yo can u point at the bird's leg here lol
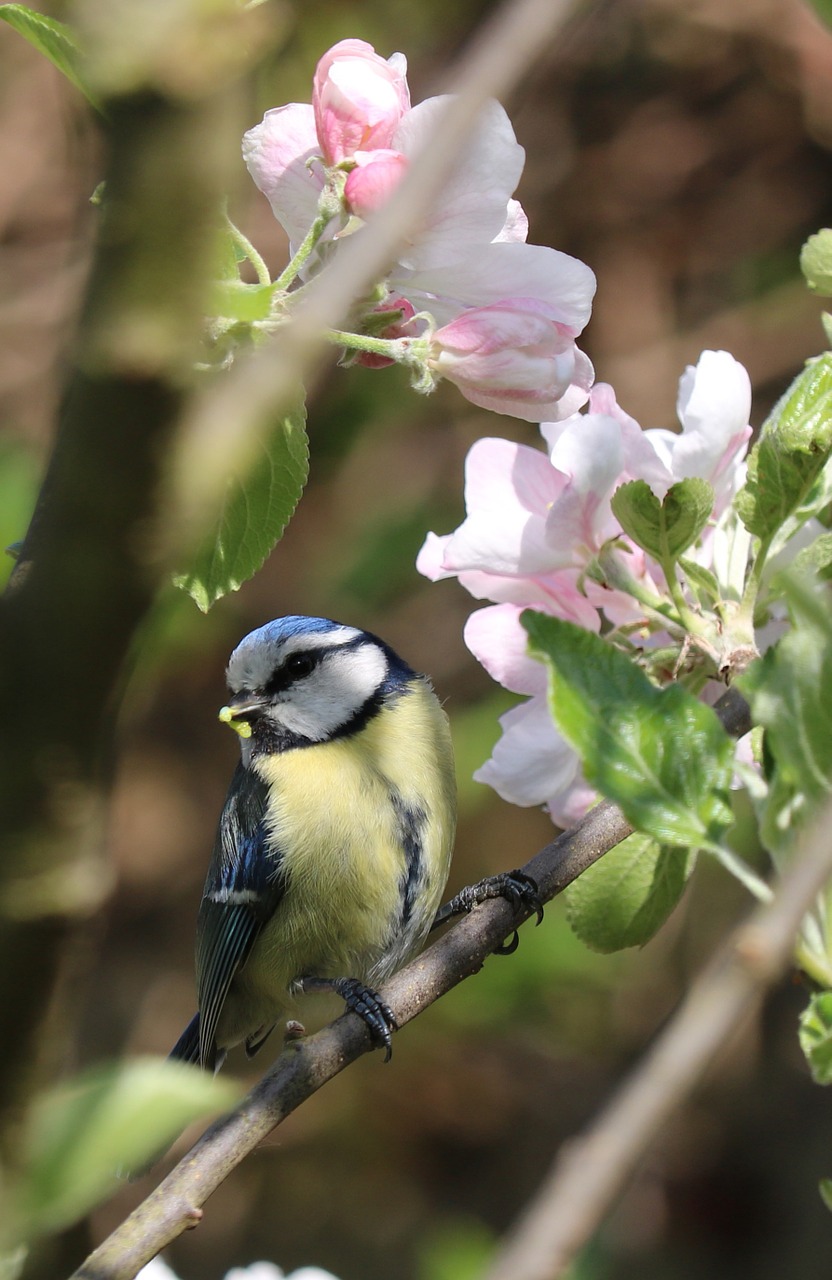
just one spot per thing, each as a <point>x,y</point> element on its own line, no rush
<point>376,1014</point>
<point>519,890</point>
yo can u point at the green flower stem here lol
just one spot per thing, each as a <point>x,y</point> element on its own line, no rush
<point>741,870</point>
<point>677,617</point>
<point>248,250</point>
<point>695,626</point>
<point>743,620</point>
<point>402,350</point>
<point>298,262</point>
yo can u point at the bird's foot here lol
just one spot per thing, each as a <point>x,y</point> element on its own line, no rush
<point>518,889</point>
<point>368,1004</point>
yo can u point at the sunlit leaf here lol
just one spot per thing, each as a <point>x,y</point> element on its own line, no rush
<point>793,449</point>
<point>53,39</point>
<point>255,513</point>
<point>664,529</point>
<point>626,896</point>
<point>658,753</point>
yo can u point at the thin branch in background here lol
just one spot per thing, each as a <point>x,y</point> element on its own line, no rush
<point>591,1172</point>
<point>305,1065</point>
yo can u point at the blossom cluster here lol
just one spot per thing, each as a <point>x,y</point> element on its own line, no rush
<point>537,524</point>
<point>467,299</point>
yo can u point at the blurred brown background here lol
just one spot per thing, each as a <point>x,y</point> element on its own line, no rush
<point>682,150</point>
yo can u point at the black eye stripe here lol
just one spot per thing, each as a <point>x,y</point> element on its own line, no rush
<point>295,667</point>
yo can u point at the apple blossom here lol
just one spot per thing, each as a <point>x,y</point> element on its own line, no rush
<point>326,168</point>
<point>535,526</point>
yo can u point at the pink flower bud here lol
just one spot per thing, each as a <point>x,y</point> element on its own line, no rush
<point>510,357</point>
<point>358,99</point>
<point>371,181</point>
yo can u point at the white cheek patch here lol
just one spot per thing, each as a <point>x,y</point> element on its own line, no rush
<point>331,695</point>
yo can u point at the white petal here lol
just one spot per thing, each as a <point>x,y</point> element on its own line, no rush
<point>473,202</point>
<point>276,152</point>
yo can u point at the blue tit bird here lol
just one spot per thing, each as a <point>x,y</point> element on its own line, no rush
<point>334,844</point>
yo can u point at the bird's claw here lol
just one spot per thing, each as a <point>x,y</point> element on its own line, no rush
<point>519,890</point>
<point>374,1012</point>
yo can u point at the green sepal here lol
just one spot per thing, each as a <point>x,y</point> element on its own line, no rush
<point>661,755</point>
<point>793,449</point>
<point>703,581</point>
<point>663,529</point>
<point>256,510</point>
<point>626,896</point>
<point>54,40</point>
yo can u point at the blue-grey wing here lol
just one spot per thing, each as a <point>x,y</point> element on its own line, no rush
<point>243,888</point>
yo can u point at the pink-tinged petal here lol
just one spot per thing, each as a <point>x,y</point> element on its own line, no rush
<point>508,489</point>
<point>482,275</point>
<point>500,474</point>
<point>516,226</point>
<point>473,204</point>
<point>572,803</point>
<point>358,99</point>
<point>499,643</point>
<point>370,184</point>
<point>531,764</point>
<point>431,559</point>
<point>634,451</point>
<point>509,357</point>
<point>277,153</point>
<point>590,453</point>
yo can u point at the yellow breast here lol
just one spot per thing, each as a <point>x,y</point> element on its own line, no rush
<point>339,814</point>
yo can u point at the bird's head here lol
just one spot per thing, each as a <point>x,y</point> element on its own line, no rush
<point>298,681</point>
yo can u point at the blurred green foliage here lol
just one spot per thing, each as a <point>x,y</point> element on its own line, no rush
<point>19,480</point>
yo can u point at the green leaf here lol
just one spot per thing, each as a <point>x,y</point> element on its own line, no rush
<point>663,757</point>
<point>825,1189</point>
<point>793,449</point>
<point>815,1036</point>
<point>256,510</point>
<point>663,529</point>
<point>625,897</point>
<point>86,1133</point>
<point>53,39</point>
<point>816,262</point>
<point>788,690</point>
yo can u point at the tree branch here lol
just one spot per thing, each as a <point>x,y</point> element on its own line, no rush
<point>305,1065</point>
